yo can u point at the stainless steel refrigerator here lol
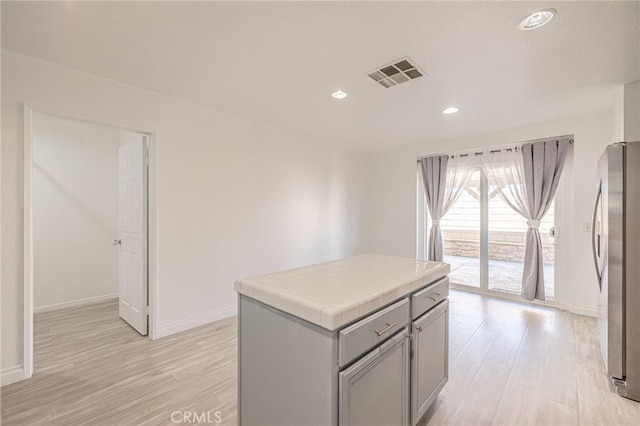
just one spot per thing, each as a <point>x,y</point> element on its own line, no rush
<point>616,252</point>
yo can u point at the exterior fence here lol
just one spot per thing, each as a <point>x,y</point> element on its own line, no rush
<point>507,246</point>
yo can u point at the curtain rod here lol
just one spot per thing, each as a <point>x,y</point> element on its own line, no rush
<point>557,139</point>
<point>475,154</point>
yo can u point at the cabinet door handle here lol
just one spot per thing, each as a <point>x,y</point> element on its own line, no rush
<point>435,299</point>
<point>419,328</point>
<point>387,328</point>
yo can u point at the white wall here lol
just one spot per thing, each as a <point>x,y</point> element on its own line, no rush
<point>632,111</point>
<point>618,114</point>
<point>392,221</point>
<point>234,197</point>
<point>75,211</point>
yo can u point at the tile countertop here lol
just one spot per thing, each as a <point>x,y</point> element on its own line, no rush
<point>335,293</point>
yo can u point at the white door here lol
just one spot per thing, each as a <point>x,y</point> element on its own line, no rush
<point>133,233</point>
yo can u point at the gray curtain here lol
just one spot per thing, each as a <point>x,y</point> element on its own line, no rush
<point>543,163</point>
<point>434,172</point>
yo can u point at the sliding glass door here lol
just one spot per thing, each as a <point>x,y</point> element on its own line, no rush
<point>484,241</point>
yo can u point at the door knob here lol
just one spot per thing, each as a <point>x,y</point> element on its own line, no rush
<point>116,242</point>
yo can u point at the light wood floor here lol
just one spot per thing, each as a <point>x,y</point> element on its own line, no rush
<point>516,364</point>
<point>91,368</point>
<point>511,364</point>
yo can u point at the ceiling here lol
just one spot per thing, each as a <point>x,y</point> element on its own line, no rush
<point>279,62</point>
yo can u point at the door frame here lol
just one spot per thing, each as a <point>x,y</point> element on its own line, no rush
<point>28,262</point>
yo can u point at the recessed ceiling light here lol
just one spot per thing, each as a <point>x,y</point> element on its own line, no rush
<point>451,110</point>
<point>537,19</point>
<point>339,94</point>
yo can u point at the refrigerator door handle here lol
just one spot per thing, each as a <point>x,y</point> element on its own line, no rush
<point>596,250</point>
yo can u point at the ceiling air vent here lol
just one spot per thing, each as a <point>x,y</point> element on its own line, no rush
<point>396,73</point>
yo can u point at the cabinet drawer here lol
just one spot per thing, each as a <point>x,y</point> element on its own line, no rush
<point>425,299</point>
<point>371,331</point>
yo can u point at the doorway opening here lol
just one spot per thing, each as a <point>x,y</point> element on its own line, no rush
<point>89,234</point>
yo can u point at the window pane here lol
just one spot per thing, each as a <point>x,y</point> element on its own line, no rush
<point>461,235</point>
<point>507,231</point>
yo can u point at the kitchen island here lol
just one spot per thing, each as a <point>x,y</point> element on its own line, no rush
<point>361,340</point>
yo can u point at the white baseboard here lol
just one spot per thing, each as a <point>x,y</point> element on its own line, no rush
<point>199,320</point>
<point>11,375</point>
<point>81,302</point>
<point>590,311</point>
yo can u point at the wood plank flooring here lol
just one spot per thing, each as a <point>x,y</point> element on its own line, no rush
<point>511,364</point>
<point>516,364</point>
<point>91,368</point>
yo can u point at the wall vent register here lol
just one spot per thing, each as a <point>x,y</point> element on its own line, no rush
<point>396,73</point>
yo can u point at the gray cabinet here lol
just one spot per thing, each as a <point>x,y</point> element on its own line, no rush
<point>375,390</point>
<point>430,361</point>
<point>385,368</point>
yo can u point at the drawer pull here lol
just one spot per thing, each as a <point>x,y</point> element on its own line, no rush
<point>435,299</point>
<point>387,328</point>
